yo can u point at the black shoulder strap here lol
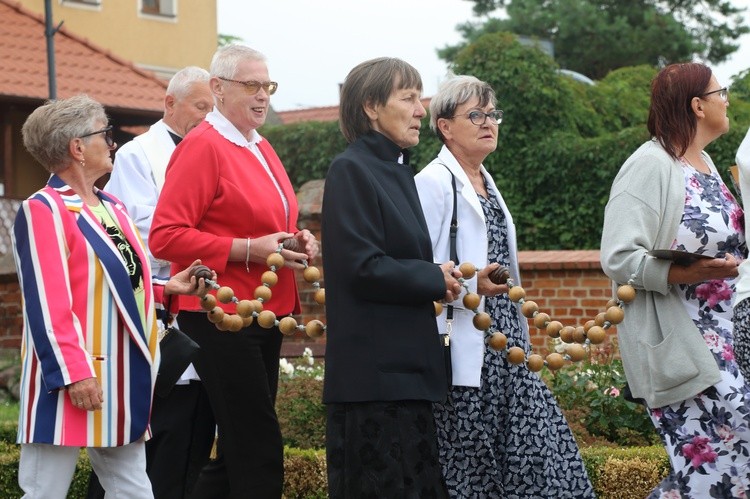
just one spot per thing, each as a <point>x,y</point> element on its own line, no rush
<point>453,233</point>
<point>454,221</point>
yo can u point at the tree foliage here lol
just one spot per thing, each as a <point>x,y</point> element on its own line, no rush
<point>596,36</point>
<point>560,145</point>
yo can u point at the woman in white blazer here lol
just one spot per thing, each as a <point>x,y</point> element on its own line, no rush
<point>499,418</point>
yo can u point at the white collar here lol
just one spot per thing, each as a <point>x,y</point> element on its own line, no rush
<point>227,130</point>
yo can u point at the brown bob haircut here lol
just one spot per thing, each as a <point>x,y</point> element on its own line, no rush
<point>671,119</point>
<point>372,82</point>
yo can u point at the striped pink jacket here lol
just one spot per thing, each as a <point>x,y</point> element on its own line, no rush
<point>81,319</point>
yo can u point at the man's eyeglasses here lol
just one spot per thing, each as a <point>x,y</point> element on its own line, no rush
<point>253,86</point>
<point>479,118</point>
<point>723,93</point>
<point>108,135</point>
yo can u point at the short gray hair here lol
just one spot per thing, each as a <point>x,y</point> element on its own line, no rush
<point>226,59</point>
<point>455,91</point>
<point>182,81</point>
<point>372,82</point>
<point>49,129</point>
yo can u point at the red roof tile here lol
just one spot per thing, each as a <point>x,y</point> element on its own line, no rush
<point>328,113</point>
<point>81,67</point>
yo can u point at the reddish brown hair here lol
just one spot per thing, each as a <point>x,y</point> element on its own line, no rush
<point>670,117</point>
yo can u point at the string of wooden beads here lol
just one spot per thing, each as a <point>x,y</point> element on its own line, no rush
<point>252,310</point>
<point>576,338</point>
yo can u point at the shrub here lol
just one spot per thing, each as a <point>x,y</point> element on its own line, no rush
<point>591,394</point>
<point>305,474</point>
<point>299,403</point>
<point>625,473</point>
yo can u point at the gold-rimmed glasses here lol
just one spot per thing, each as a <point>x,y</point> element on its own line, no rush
<point>253,86</point>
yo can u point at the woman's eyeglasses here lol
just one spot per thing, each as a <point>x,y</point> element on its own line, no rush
<point>253,86</point>
<point>108,135</point>
<point>479,118</point>
<point>723,93</point>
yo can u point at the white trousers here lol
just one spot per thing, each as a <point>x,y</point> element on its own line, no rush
<point>45,471</point>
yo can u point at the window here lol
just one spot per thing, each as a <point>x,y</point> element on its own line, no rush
<point>159,7</point>
<point>94,3</point>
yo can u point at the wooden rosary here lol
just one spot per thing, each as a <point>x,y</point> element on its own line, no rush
<point>575,337</point>
<point>592,332</point>
<point>252,310</point>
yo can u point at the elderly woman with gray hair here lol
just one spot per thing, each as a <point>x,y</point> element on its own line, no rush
<point>500,433</point>
<point>89,352</point>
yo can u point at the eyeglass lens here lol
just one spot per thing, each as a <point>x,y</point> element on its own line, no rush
<point>253,87</point>
<point>478,117</point>
<point>109,137</point>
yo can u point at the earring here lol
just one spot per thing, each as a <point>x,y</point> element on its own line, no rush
<point>83,164</point>
<point>222,100</point>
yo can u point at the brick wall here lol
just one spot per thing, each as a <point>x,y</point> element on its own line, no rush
<point>568,285</point>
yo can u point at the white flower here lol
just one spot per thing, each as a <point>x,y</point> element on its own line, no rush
<point>286,367</point>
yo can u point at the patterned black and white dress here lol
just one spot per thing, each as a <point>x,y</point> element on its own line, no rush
<point>508,438</point>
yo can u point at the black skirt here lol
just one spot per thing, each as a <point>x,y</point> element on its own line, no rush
<point>383,449</point>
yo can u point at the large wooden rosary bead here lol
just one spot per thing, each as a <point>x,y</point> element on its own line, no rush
<point>314,328</point>
<point>468,270</point>
<point>471,300</point>
<point>225,294</point>
<point>579,334</point>
<point>200,272</point>
<point>516,355</point>
<point>529,308</point>
<point>566,334</point>
<point>535,362</point>
<point>262,293</point>
<point>596,335</point>
<point>292,245</point>
<point>516,293</point>
<point>482,321</point>
<point>320,296</point>
<point>541,320</point>
<point>438,308</point>
<point>275,260</point>
<point>208,302</point>
<point>555,361</point>
<point>500,275</point>
<point>269,278</point>
<point>266,319</point>
<point>287,325</point>
<point>234,323</point>
<point>216,315</point>
<point>576,352</point>
<point>626,293</point>
<point>600,318</point>
<point>245,308</point>
<point>498,341</point>
<point>614,314</point>
<point>554,328</point>
<point>311,274</point>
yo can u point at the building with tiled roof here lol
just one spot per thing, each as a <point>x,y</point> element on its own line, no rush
<point>162,36</point>
<point>133,97</point>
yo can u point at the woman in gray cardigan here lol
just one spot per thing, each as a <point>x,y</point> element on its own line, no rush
<point>676,340</point>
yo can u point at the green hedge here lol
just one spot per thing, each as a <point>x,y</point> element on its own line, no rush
<point>623,473</point>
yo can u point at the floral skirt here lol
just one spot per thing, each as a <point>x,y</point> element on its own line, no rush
<point>707,437</point>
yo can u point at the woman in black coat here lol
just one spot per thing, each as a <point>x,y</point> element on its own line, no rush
<point>384,360</point>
